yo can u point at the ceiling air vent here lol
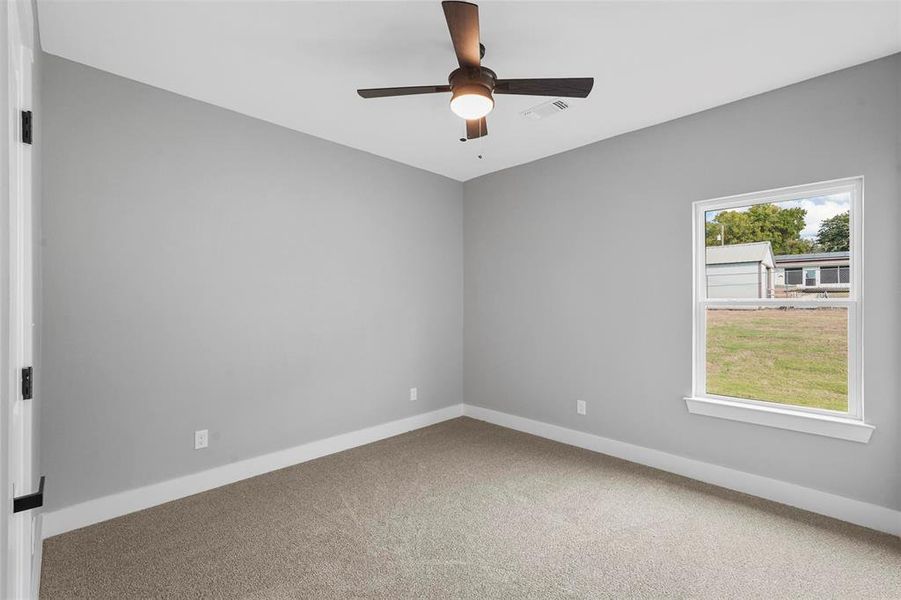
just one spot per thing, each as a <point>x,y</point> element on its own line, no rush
<point>545,109</point>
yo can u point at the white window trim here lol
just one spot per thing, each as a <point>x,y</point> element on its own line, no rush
<point>848,426</point>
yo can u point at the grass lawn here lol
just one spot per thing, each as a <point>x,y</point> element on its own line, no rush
<point>790,356</point>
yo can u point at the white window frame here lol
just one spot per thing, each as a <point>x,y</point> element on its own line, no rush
<point>844,425</point>
<point>816,277</point>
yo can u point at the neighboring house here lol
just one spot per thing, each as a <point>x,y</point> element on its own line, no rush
<point>821,273</point>
<point>741,271</point>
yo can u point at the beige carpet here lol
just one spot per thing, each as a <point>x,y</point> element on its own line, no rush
<point>464,509</point>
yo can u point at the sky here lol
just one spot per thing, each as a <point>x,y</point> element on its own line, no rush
<point>819,208</point>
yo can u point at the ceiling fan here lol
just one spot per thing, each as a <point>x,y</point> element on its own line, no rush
<point>472,85</point>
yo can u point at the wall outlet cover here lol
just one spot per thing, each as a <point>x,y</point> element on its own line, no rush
<point>414,394</point>
<point>201,439</point>
<point>580,407</point>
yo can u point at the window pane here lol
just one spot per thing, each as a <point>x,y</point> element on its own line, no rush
<point>796,356</point>
<point>776,249</point>
<point>844,275</point>
<point>810,277</point>
<point>793,277</point>
<point>828,274</point>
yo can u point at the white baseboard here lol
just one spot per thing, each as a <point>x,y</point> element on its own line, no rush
<point>824,503</point>
<point>116,505</point>
<point>122,503</point>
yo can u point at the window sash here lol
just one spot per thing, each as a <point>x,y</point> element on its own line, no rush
<point>855,403</point>
<point>853,186</point>
<point>810,277</point>
<point>844,275</point>
<point>795,280</point>
<point>828,275</point>
<point>776,302</point>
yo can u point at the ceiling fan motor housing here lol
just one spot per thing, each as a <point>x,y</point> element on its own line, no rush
<point>476,79</point>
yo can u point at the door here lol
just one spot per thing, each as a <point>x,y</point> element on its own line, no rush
<point>22,518</point>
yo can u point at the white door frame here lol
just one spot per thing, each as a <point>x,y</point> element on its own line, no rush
<point>22,547</point>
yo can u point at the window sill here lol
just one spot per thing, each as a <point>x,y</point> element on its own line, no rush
<point>782,418</point>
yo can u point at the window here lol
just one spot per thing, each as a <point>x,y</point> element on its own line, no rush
<point>828,275</point>
<point>783,351</point>
<point>810,277</point>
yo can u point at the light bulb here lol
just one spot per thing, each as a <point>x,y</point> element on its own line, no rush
<point>472,102</point>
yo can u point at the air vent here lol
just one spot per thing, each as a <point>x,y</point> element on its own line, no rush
<point>545,110</point>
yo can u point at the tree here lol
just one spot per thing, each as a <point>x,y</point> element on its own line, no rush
<point>781,227</point>
<point>835,233</point>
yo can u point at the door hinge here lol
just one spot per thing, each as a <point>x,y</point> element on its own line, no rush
<point>26,126</point>
<point>29,501</point>
<point>27,383</point>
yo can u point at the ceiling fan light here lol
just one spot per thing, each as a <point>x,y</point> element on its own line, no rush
<point>471,102</point>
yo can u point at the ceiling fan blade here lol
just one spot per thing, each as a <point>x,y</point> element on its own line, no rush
<point>403,91</point>
<point>569,87</point>
<point>463,24</point>
<point>476,128</point>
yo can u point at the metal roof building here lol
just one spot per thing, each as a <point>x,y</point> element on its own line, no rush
<point>740,271</point>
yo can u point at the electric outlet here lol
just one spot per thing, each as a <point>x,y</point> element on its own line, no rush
<point>580,407</point>
<point>414,394</point>
<point>201,439</point>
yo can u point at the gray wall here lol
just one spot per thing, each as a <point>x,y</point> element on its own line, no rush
<point>203,269</point>
<point>578,276</point>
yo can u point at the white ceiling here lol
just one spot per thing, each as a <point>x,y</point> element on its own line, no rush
<point>298,64</point>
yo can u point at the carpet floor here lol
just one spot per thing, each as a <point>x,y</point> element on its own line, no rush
<point>464,509</point>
